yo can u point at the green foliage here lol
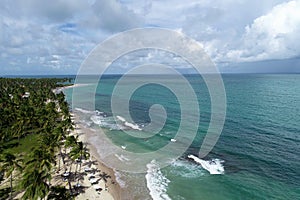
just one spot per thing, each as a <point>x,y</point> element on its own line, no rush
<point>23,145</point>
<point>35,183</point>
<point>34,123</point>
<point>27,104</point>
<point>59,193</point>
<point>9,163</point>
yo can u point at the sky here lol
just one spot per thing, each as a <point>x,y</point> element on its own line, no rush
<point>54,37</point>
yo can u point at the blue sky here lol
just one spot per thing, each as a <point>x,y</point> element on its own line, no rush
<point>54,37</point>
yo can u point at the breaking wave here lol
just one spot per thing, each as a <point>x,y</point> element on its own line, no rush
<point>157,183</point>
<point>213,166</point>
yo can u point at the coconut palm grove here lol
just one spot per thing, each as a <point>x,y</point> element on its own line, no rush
<point>35,140</point>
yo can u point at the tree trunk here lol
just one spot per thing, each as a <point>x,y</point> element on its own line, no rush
<point>79,171</point>
<point>71,166</point>
<point>11,187</point>
<point>76,170</point>
<point>61,157</point>
<point>58,164</point>
<point>70,187</point>
<point>80,165</point>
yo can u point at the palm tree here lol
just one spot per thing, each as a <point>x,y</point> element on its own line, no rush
<point>36,175</point>
<point>104,176</point>
<point>79,152</point>
<point>40,158</point>
<point>21,116</point>
<point>58,136</point>
<point>67,124</point>
<point>35,183</point>
<point>59,193</point>
<point>8,164</point>
<point>84,153</point>
<point>71,142</point>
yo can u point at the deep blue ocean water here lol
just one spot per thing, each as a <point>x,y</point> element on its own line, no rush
<point>259,144</point>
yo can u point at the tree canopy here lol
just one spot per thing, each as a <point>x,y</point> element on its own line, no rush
<point>32,107</point>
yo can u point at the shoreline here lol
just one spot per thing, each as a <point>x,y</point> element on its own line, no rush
<point>113,188</point>
<point>60,89</point>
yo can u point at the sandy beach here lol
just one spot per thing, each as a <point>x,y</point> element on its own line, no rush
<point>59,89</point>
<point>111,190</point>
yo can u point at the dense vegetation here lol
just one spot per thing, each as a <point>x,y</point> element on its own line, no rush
<point>35,138</point>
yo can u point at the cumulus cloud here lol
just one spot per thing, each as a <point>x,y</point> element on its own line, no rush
<point>113,16</point>
<point>34,33</point>
<point>219,25</point>
<point>274,35</point>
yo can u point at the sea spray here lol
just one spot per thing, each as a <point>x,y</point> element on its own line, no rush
<point>157,183</point>
<point>119,179</point>
<point>128,124</point>
<point>84,111</point>
<point>122,157</point>
<point>213,166</point>
<point>97,119</point>
<point>186,169</point>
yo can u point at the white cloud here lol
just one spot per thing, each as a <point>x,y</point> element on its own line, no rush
<point>112,16</point>
<point>32,31</point>
<point>271,36</point>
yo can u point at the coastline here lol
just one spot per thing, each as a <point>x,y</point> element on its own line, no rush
<point>113,188</point>
<point>85,134</point>
<point>60,89</point>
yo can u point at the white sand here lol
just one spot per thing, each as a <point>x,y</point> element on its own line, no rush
<point>112,191</point>
<point>59,89</point>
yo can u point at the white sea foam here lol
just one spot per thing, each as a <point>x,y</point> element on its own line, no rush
<point>86,123</point>
<point>102,120</point>
<point>133,126</point>
<point>184,168</point>
<point>84,111</point>
<point>157,183</point>
<point>106,122</point>
<point>128,124</point>
<point>119,179</point>
<point>96,112</point>
<point>97,119</point>
<point>213,166</point>
<point>122,158</point>
<point>121,118</point>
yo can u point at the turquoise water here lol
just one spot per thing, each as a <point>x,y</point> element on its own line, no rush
<point>259,143</point>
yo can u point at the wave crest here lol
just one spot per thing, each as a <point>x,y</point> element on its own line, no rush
<point>157,183</point>
<point>213,166</point>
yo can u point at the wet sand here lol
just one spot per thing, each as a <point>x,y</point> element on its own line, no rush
<point>113,189</point>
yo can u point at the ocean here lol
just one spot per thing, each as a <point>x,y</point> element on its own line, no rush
<point>257,154</point>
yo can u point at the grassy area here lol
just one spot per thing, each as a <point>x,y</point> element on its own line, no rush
<point>22,146</point>
<point>15,146</point>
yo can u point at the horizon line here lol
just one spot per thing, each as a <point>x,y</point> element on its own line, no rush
<point>120,74</point>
